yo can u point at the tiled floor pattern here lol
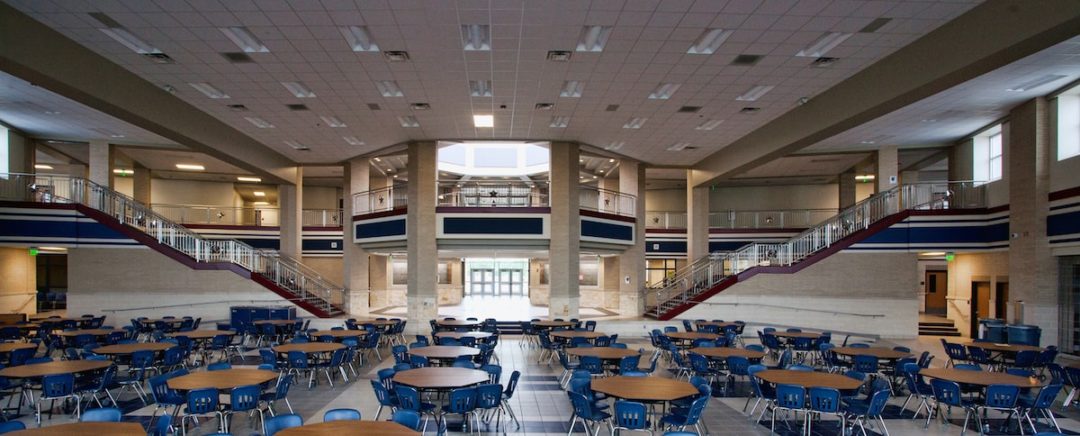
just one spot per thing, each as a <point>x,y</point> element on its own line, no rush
<point>543,408</point>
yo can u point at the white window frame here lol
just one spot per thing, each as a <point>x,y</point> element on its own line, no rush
<point>5,151</point>
<point>988,157</point>
<point>1068,124</point>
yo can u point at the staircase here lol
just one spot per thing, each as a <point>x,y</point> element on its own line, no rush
<point>283,275</point>
<point>717,271</point>
<point>936,327</point>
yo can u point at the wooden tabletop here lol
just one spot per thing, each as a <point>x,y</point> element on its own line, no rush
<point>1001,348</point>
<point>95,332</point>
<point>12,346</point>
<point>58,318</point>
<point>223,380</point>
<point>350,428</point>
<point>458,322</point>
<point>57,367</point>
<point>724,352</point>
<point>131,348</point>
<point>567,334</point>
<point>378,322</point>
<point>651,389</point>
<point>444,351</point>
<point>440,377</point>
<point>781,334</point>
<point>809,379</point>
<point>720,324</point>
<point>551,324</point>
<point>164,320</point>
<point>98,428</point>
<point>459,335</point>
<point>981,378</point>
<point>878,352</point>
<point>25,325</point>
<point>340,333</point>
<point>202,334</point>
<point>309,347</point>
<point>606,353</point>
<point>276,321</point>
<point>689,336</point>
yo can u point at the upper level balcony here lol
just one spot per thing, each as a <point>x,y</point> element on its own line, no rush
<point>495,194</point>
<point>243,216</point>
<point>744,219</point>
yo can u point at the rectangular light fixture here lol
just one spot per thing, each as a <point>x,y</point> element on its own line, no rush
<point>709,41</point>
<point>864,177</point>
<point>389,88</point>
<point>332,121</point>
<point>260,203</point>
<point>709,125</point>
<point>42,167</point>
<point>108,132</point>
<point>1035,83</point>
<point>875,139</point>
<point>932,253</point>
<point>123,172</point>
<point>664,91</point>
<point>259,122</point>
<point>248,179</point>
<point>827,42</point>
<point>679,146</point>
<point>259,194</point>
<point>560,121</point>
<point>296,145</point>
<point>129,40</point>
<point>244,39</point>
<point>755,93</point>
<point>408,121</point>
<point>352,140</point>
<point>476,37</point>
<point>483,120</point>
<point>635,123</point>
<point>298,89</point>
<point>209,90</point>
<point>190,167</point>
<point>480,88</point>
<point>614,146</point>
<point>572,89</point>
<point>593,38</point>
<point>359,38</point>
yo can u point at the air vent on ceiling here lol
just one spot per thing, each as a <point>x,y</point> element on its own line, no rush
<point>420,106</point>
<point>237,107</point>
<point>875,25</point>
<point>373,106</point>
<point>237,57</point>
<point>558,55</point>
<point>749,110</point>
<point>159,58</point>
<point>545,106</point>
<point>690,147</point>
<point>612,108</point>
<point>297,107</point>
<point>824,62</point>
<point>689,109</point>
<point>396,55</point>
<point>106,20</point>
<point>746,59</point>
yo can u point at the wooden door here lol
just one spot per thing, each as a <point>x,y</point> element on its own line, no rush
<point>937,287</point>
<point>1001,300</point>
<point>980,305</point>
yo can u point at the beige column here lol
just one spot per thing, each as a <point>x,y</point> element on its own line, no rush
<point>379,280</point>
<point>1032,267</point>
<point>609,281</point>
<point>846,184</point>
<point>422,248</point>
<point>18,289</point>
<point>356,260</point>
<point>632,261</point>
<point>565,293</point>
<point>141,184</point>
<point>888,164</point>
<point>290,214</point>
<point>101,163</point>
<point>697,221</point>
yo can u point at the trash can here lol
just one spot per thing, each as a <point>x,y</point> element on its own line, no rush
<point>992,330</point>
<point>1020,334</point>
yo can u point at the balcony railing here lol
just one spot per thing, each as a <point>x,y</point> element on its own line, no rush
<point>744,219</point>
<point>492,194</point>
<point>380,200</point>
<point>243,216</point>
<point>603,200</point>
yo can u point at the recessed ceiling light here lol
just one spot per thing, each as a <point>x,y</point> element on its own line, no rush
<point>42,167</point>
<point>377,159</point>
<point>259,122</point>
<point>296,145</point>
<point>600,171</point>
<point>408,121</point>
<point>635,123</point>
<point>612,160</point>
<point>129,40</point>
<point>709,125</point>
<point>244,39</point>
<point>664,91</point>
<point>827,42</point>
<point>476,37</point>
<point>209,90</point>
<point>332,121</point>
<point>572,89</point>
<point>389,88</point>
<point>352,140</point>
<point>480,88</point>
<point>259,194</point>
<point>190,167</point>
<point>614,145</point>
<point>260,203</point>
<point>1035,83</point>
<point>484,120</point>
<point>755,93</point>
<point>359,38</point>
<point>248,179</point>
<point>864,177</point>
<point>593,38</point>
<point>298,89</point>
<point>709,41</point>
<point>560,121</point>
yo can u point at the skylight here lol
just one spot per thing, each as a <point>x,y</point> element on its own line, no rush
<point>493,159</point>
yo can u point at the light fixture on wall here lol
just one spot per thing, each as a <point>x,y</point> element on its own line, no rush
<point>864,177</point>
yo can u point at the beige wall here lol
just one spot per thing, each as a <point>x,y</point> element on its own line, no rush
<point>750,198</point>
<point>330,267</point>
<point>124,185</point>
<point>191,192</point>
<point>966,268</point>
<point>321,197</point>
<point>18,281</point>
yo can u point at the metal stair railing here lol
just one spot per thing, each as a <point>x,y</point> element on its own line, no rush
<point>701,275</point>
<point>288,273</point>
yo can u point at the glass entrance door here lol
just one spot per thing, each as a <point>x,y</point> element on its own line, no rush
<point>482,282</point>
<point>496,277</point>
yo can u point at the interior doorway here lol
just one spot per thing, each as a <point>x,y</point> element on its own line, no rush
<point>937,287</point>
<point>980,305</point>
<point>1001,300</point>
<point>485,277</point>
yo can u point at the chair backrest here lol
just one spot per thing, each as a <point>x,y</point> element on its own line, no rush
<point>57,385</point>
<point>631,415</point>
<point>341,415</point>
<point>629,363</point>
<point>408,397</point>
<point>825,400</point>
<point>511,385</point>
<point>488,396</point>
<point>494,372</point>
<point>946,392</point>
<point>298,359</point>
<point>162,425</point>
<point>202,401</point>
<point>10,426</point>
<point>244,398</point>
<point>462,400</point>
<point>418,361</point>
<point>407,418</point>
<point>582,407</point>
<point>592,364</point>
<point>1046,396</point>
<point>281,422</point>
<point>382,393</point>
<point>967,367</point>
<point>878,401</point>
<point>800,367</point>
<point>218,366</point>
<point>104,414</point>
<point>693,415</point>
<point>1002,396</point>
<point>866,363</point>
<point>790,396</point>
<point>1026,358</point>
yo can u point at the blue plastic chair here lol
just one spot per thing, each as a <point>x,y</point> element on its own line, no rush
<point>586,412</point>
<point>824,401</point>
<point>865,363</point>
<point>218,366</point>
<point>692,417</point>
<point>282,422</point>
<point>760,390</point>
<point>508,394</point>
<point>341,415</point>
<point>103,414</point>
<point>409,399</point>
<point>862,412</point>
<point>461,402</point>
<point>917,388</point>
<point>947,393</point>
<point>629,364</point>
<point>203,402</point>
<point>1041,404</point>
<point>630,415</point>
<point>594,365</point>
<point>244,399</point>
<point>11,426</point>
<point>56,387</point>
<point>407,418</point>
<point>489,399</point>
<point>788,397</point>
<point>1002,398</point>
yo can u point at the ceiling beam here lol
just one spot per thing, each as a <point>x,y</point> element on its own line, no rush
<point>987,37</point>
<point>42,56</point>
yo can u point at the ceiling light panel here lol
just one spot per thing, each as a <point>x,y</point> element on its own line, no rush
<point>209,90</point>
<point>190,167</point>
<point>1035,83</point>
<point>484,120</point>
<point>244,39</point>
<point>635,123</point>
<point>389,88</point>
<point>480,88</point>
<point>359,38</point>
<point>332,121</point>
<point>259,122</point>
<point>298,89</point>
<point>755,93</point>
<point>593,38</point>
<point>352,140</point>
<point>709,41</point>
<point>42,167</point>
<point>129,40</point>
<point>476,37</point>
<point>664,91</point>
<point>259,193</point>
<point>296,145</point>
<point>709,125</point>
<point>572,89</point>
<point>560,122</point>
<point>827,42</point>
<point>248,179</point>
<point>408,121</point>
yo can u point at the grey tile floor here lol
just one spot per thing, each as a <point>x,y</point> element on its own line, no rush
<point>543,408</point>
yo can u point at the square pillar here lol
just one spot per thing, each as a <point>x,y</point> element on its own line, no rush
<point>632,261</point>
<point>888,167</point>
<point>140,182</point>
<point>356,260</point>
<point>290,216</point>
<point>101,163</point>
<point>847,194</point>
<point>697,220</point>
<point>565,292</point>
<point>422,248</point>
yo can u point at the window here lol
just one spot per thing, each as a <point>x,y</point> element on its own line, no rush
<point>5,151</point>
<point>995,157</point>
<point>988,156</point>
<point>1068,124</point>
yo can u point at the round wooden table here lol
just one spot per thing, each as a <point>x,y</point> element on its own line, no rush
<point>792,335</point>
<point>12,346</point>
<point>170,321</point>
<point>58,318</point>
<point>981,378</point>
<point>458,323</point>
<point>202,334</point>
<point>458,335</point>
<point>378,322</point>
<point>881,353</point>
<point>340,334</point>
<point>604,353</point>
<point>647,389</point>
<point>1003,348</point>
<point>724,352</point>
<point>553,324</point>
<point>95,428</point>
<point>52,368</point>
<point>278,322</point>
<point>224,380</point>
<point>94,332</point>
<point>440,378</point>
<point>720,324</point>
<point>809,379</point>
<point>444,352</point>
<point>309,347</point>
<point>350,428</point>
<point>120,349</point>
<point>690,336</point>
<point>569,334</point>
